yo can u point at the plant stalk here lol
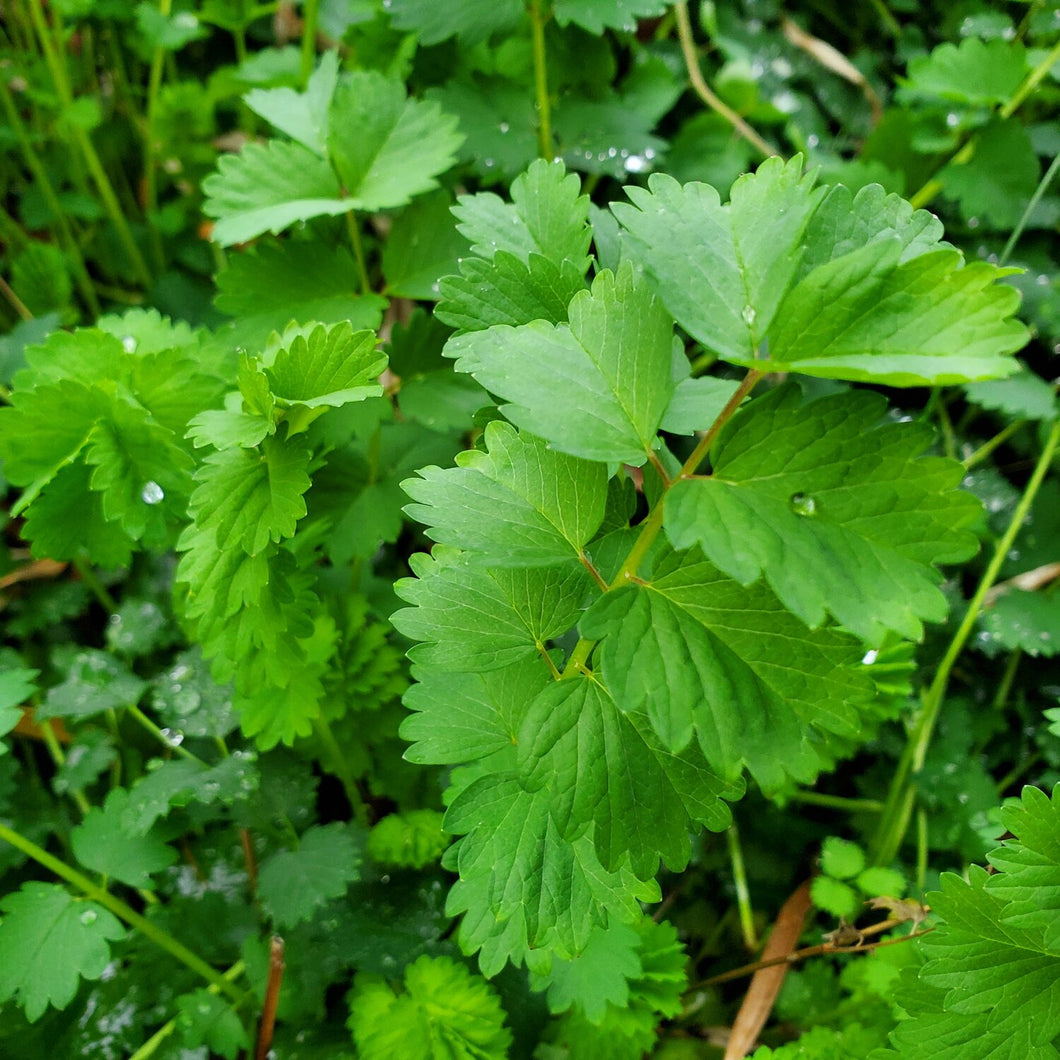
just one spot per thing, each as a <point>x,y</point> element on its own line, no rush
<point>538,19</point>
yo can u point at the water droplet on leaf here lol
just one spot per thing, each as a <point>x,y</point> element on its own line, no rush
<point>803,504</point>
<point>152,493</point>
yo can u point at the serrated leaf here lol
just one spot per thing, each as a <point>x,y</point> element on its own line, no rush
<point>723,270</point>
<point>103,844</point>
<point>521,883</point>
<point>293,884</point>
<point>597,977</point>
<point>468,19</point>
<point>204,1019</point>
<point>547,215</point>
<point>266,188</point>
<point>408,840</point>
<point>329,366</point>
<point>974,72</point>
<point>387,148</point>
<point>477,618</point>
<point>49,942</point>
<point>508,291</point>
<point>16,686</point>
<point>836,898</point>
<point>445,1013</point>
<point>422,246</point>
<point>1023,395</point>
<point>701,654</point>
<point>597,15</point>
<point>839,511</point>
<point>841,858</point>
<point>460,717</point>
<point>1024,621</point>
<point>516,504</point>
<point>607,767</point>
<point>596,388</point>
<point>95,682</point>
<point>301,115</point>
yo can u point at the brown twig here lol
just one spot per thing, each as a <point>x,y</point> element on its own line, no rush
<point>272,999</point>
<point>249,860</point>
<point>1028,581</point>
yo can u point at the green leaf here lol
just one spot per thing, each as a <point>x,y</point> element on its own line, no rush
<point>596,388</point>
<point>387,149</point>
<point>597,15</point>
<point>49,942</point>
<point>409,840</point>
<point>722,271</point>
<point>1022,396</point>
<point>476,618</point>
<point>841,859</point>
<point>548,215</point>
<point>837,508</point>
<point>16,686</point>
<point>877,881</point>
<point>974,72</point>
<point>96,682</point>
<point>698,653</point>
<point>445,1013</point>
<point>301,115</point>
<point>204,1019</point>
<point>516,504</point>
<point>249,497</point>
<point>834,897</point>
<point>328,366</point>
<point>696,404</point>
<point>468,19</point>
<point>266,188</point>
<point>294,884</point>
<point>521,884</point>
<point>1024,621</point>
<point>606,766</point>
<point>422,246</point>
<point>103,844</point>
<point>597,977</point>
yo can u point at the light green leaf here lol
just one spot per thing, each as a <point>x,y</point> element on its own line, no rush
<point>103,844</point>
<point>95,682</point>
<point>607,767</point>
<point>266,188</point>
<point>1024,621</point>
<point>974,72</point>
<point>293,884</point>
<point>477,618</point>
<point>16,686</point>
<point>1023,396</point>
<point>204,1019</point>
<point>723,270</point>
<point>597,388</point>
<point>837,508</point>
<point>700,654</point>
<point>408,840</point>
<point>517,504</point>
<point>445,1013</point>
<point>471,20</point>
<point>597,15</point>
<point>387,148</point>
<point>548,215</point>
<point>301,115</point>
<point>841,858</point>
<point>49,942</point>
<point>696,404</point>
<point>836,898</point>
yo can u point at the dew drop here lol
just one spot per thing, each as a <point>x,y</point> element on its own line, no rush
<point>128,343</point>
<point>88,916</point>
<point>802,504</point>
<point>172,736</point>
<point>152,493</point>
<point>504,126</point>
<point>952,119</point>
<point>636,164</point>
<point>748,313</point>
<point>813,140</point>
<point>870,657</point>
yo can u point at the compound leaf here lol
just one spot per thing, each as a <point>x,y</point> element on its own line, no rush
<point>301,115</point>
<point>840,511</point>
<point>516,504</point>
<point>596,388</point>
<point>49,942</point>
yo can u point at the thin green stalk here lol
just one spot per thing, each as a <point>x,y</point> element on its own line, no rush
<point>354,230</point>
<point>835,802</point>
<point>890,23</point>
<point>150,1047</point>
<point>337,764</point>
<point>991,444</point>
<point>901,796</point>
<point>51,742</point>
<point>538,19</point>
<point>154,84</point>
<point>176,747</point>
<point>964,153</point>
<point>36,167</point>
<point>1043,187</point>
<point>310,17</point>
<point>120,909</point>
<point>15,302</point>
<point>743,892</point>
<point>1007,678</point>
<point>649,529</point>
<point>921,849</point>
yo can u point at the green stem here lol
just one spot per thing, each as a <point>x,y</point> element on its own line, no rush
<point>310,16</point>
<point>51,742</point>
<point>154,84</point>
<point>902,794</point>
<point>1043,187</point>
<point>1007,679</point>
<point>991,444</point>
<point>96,587</point>
<point>146,723</point>
<point>964,153</point>
<point>13,299</point>
<point>44,184</point>
<point>835,802</point>
<point>124,912</point>
<point>150,1047</point>
<point>538,19</point>
<point>338,765</point>
<point>743,892</point>
<point>358,251</point>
